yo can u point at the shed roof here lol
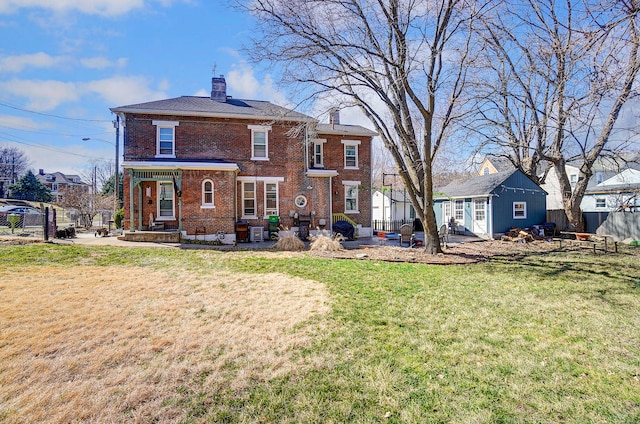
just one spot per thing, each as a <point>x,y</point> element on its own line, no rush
<point>481,185</point>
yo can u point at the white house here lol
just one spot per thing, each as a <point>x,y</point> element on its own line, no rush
<point>389,208</point>
<point>621,190</point>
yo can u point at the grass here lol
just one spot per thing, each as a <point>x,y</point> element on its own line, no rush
<point>200,336</point>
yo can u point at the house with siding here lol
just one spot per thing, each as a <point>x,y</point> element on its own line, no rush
<point>206,165</point>
<point>58,182</point>
<point>492,203</point>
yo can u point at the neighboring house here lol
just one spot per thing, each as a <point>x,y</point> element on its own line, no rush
<point>622,191</point>
<point>390,208</point>
<point>493,165</point>
<point>491,204</point>
<point>202,164</point>
<point>58,182</point>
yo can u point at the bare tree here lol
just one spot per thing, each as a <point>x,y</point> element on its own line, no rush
<point>402,62</point>
<point>556,77</point>
<point>13,165</point>
<point>87,203</point>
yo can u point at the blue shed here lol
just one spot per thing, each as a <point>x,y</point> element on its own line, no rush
<point>492,204</point>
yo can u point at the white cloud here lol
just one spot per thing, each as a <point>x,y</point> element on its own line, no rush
<point>19,123</point>
<point>202,93</point>
<point>244,84</point>
<point>42,95</point>
<point>101,62</point>
<point>47,95</point>
<point>89,7</point>
<point>125,90</point>
<point>36,60</point>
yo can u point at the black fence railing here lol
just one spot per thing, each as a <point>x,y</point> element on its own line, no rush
<point>394,225</point>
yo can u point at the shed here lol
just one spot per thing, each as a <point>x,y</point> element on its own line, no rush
<point>491,204</point>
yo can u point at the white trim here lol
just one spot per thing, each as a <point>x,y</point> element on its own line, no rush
<point>211,205</point>
<point>169,125</point>
<point>322,173</point>
<point>263,179</point>
<point>255,200</point>
<point>318,142</point>
<point>514,209</point>
<point>182,165</point>
<point>354,144</point>
<point>263,129</point>
<point>351,183</point>
<point>356,185</point>
<point>264,188</point>
<point>283,117</point>
<point>173,202</point>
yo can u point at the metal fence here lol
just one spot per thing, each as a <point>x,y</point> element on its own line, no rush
<point>394,225</point>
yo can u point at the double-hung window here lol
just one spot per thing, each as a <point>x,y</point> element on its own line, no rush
<point>351,196</point>
<point>259,142</point>
<point>318,152</point>
<point>270,198</point>
<point>249,200</point>
<point>519,210</point>
<point>459,211</point>
<point>351,153</point>
<point>166,204</point>
<point>166,138</point>
<point>207,194</point>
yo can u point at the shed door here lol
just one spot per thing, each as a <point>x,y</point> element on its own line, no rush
<point>479,216</point>
<point>446,212</point>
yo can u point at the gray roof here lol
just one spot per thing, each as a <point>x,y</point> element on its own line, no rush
<point>59,177</point>
<point>501,164</point>
<point>204,106</point>
<point>481,185</point>
<point>341,129</point>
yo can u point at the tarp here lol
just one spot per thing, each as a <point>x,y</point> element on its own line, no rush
<point>344,228</point>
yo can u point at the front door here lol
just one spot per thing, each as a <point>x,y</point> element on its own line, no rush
<point>479,216</point>
<point>446,213</point>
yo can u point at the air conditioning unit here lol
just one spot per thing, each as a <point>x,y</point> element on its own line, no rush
<point>257,234</point>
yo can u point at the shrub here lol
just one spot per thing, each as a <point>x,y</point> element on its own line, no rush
<point>118,217</point>
<point>290,242</point>
<point>324,242</point>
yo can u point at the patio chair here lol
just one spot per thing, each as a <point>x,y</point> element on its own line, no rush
<point>443,234</point>
<point>406,234</point>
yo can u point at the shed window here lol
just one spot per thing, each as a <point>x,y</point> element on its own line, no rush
<point>519,210</point>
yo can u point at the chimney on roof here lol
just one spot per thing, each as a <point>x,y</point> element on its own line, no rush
<point>334,117</point>
<point>41,172</point>
<point>218,89</point>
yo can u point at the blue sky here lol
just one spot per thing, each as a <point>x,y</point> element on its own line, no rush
<point>64,63</point>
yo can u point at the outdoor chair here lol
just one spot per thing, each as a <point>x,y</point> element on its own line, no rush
<point>406,234</point>
<point>443,235</point>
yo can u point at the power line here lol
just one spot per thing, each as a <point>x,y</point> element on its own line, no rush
<point>41,146</point>
<point>52,115</point>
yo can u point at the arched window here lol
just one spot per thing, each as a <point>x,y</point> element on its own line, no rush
<point>207,194</point>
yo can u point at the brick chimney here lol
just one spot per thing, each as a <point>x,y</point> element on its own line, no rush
<point>334,117</point>
<point>218,89</point>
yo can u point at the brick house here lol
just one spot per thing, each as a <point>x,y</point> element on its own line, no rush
<point>202,165</point>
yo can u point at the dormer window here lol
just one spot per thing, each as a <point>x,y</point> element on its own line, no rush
<point>49,177</point>
<point>166,138</point>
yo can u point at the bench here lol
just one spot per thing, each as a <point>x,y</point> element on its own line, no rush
<point>593,242</point>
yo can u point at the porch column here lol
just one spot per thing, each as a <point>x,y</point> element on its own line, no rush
<point>132,227</point>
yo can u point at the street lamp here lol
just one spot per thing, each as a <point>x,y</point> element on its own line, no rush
<point>117,175</point>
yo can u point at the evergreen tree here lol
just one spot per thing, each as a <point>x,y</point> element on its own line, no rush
<point>29,188</point>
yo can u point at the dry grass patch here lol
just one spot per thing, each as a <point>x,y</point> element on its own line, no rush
<point>129,344</point>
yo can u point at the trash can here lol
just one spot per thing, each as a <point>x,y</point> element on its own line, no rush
<point>242,232</point>
<point>274,226</point>
<point>303,232</point>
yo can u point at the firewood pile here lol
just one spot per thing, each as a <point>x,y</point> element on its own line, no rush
<point>520,236</point>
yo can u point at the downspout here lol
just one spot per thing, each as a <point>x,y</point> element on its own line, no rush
<point>306,148</point>
<point>331,205</point>
<point>132,228</point>
<point>490,217</point>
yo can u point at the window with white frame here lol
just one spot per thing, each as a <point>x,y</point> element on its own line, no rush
<point>318,152</point>
<point>447,211</point>
<point>249,200</point>
<point>351,153</point>
<point>459,210</point>
<point>519,210</point>
<point>573,178</point>
<point>259,142</point>
<point>601,202</point>
<point>207,194</point>
<point>166,138</point>
<point>166,204</point>
<point>351,196</point>
<point>480,210</point>
<point>270,198</point>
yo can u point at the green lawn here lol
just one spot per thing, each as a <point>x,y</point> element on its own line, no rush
<point>545,338</point>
